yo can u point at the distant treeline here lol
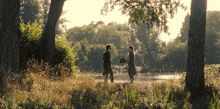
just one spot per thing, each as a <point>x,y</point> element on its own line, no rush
<point>152,54</point>
<point>88,42</point>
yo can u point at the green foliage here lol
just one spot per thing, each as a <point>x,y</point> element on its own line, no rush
<point>89,43</point>
<point>145,11</point>
<point>174,51</point>
<point>29,43</point>
<point>131,98</point>
<point>214,104</point>
<point>38,10</point>
<point>84,99</point>
<point>150,46</point>
<point>30,10</point>
<point>31,31</point>
<point>77,34</point>
<point>82,49</point>
<point>95,60</point>
<point>30,47</point>
<point>8,102</point>
<point>36,103</point>
<point>64,53</point>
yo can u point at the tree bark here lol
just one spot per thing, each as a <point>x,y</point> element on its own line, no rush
<point>9,37</point>
<point>48,37</point>
<point>196,39</point>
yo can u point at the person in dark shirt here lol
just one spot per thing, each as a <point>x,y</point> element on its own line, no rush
<point>107,65</point>
<point>131,65</point>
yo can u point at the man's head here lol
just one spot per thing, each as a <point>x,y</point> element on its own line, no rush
<point>108,47</point>
<point>130,48</point>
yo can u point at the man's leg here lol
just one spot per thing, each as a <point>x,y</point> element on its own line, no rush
<point>111,76</point>
<point>131,79</point>
<point>105,78</point>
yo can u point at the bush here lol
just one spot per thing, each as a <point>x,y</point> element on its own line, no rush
<point>30,47</point>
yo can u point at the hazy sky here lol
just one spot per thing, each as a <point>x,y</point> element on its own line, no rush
<point>82,12</point>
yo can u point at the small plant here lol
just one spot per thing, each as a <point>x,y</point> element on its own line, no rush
<point>37,103</point>
<point>8,102</point>
<point>215,103</point>
<point>131,98</point>
<point>108,103</point>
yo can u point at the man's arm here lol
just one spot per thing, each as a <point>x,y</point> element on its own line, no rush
<point>110,58</point>
<point>130,60</point>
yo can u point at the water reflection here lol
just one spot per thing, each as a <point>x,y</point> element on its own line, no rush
<point>141,77</point>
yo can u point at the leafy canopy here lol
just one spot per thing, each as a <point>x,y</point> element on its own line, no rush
<point>151,12</point>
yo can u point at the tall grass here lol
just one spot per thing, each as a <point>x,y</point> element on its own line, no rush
<point>42,86</point>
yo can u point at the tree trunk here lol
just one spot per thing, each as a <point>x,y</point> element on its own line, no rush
<point>196,40</point>
<point>48,37</point>
<point>9,37</point>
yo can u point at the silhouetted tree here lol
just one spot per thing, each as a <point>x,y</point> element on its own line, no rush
<point>9,37</point>
<point>48,37</point>
<point>195,61</point>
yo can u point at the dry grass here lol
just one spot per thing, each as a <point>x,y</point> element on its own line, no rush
<point>55,86</point>
<point>41,81</point>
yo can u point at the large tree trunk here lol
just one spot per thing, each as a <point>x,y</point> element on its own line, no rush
<point>196,40</point>
<point>48,38</point>
<point>9,37</point>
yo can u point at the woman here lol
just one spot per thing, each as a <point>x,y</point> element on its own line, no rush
<point>131,66</point>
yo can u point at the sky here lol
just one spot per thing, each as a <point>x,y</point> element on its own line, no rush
<point>83,12</point>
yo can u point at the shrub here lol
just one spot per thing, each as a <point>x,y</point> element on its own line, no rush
<point>30,47</point>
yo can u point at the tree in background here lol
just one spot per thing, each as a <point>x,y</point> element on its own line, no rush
<point>38,10</point>
<point>48,37</point>
<point>153,14</point>
<point>176,51</point>
<point>76,34</point>
<point>195,61</point>
<point>112,34</point>
<point>175,56</point>
<point>212,39</point>
<point>92,37</point>
<point>82,49</point>
<point>9,38</point>
<point>45,7</point>
<point>150,45</point>
<point>30,11</point>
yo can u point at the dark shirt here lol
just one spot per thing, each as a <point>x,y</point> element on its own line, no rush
<point>107,57</point>
<point>107,63</point>
<point>131,59</point>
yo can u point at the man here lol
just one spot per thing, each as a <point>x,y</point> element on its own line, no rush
<point>131,66</point>
<point>107,64</point>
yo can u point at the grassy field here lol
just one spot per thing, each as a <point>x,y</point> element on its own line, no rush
<point>39,87</point>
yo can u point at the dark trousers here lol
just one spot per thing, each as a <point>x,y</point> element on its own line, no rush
<point>131,79</point>
<point>106,76</point>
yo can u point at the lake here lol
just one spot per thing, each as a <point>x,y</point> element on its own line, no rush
<point>141,77</point>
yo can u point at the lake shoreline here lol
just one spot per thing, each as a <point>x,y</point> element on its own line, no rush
<point>141,77</point>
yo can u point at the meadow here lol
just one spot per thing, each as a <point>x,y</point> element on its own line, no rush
<point>41,86</point>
